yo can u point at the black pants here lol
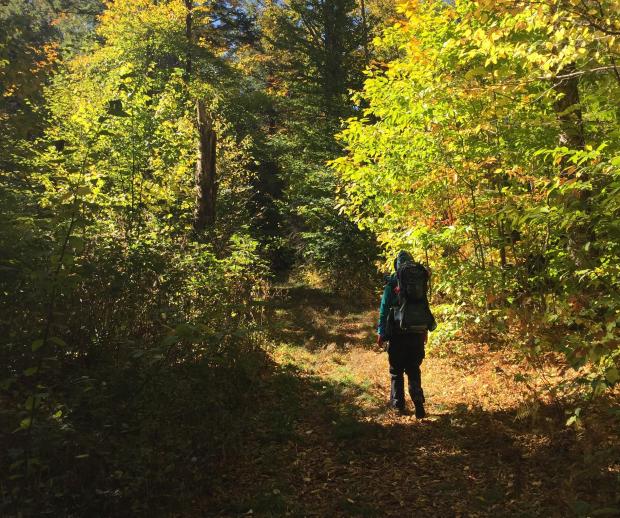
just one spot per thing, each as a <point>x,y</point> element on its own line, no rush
<point>405,353</point>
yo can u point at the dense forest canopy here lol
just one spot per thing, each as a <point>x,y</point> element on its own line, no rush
<point>165,163</point>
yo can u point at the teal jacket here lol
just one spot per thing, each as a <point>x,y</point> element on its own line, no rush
<point>389,299</point>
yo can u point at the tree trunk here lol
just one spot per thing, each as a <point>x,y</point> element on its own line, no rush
<point>365,32</point>
<point>333,71</point>
<point>572,136</point>
<point>206,185</point>
<point>189,6</point>
<point>569,111</point>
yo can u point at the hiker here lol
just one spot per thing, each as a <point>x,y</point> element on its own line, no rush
<point>404,321</point>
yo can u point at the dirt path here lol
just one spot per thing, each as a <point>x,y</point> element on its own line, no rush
<point>321,440</point>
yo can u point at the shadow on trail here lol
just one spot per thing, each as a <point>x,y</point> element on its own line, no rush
<point>314,318</point>
<point>309,447</point>
<point>310,450</point>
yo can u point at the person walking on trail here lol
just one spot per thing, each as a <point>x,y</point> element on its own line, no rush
<point>404,321</point>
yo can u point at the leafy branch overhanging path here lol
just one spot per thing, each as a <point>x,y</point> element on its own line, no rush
<point>321,441</point>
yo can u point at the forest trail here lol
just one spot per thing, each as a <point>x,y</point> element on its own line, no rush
<point>321,440</point>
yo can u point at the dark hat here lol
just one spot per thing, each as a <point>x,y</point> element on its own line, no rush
<point>402,257</point>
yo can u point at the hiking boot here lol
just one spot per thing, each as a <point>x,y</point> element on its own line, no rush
<point>420,413</point>
<point>399,409</point>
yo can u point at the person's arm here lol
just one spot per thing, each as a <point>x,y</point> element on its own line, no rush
<point>384,310</point>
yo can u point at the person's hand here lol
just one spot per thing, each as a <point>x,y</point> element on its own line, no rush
<point>381,342</point>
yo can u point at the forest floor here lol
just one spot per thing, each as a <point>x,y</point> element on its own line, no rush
<point>320,439</point>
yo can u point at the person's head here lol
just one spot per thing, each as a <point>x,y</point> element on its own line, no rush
<point>401,258</point>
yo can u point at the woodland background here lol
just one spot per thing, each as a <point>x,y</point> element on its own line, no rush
<point>165,165</point>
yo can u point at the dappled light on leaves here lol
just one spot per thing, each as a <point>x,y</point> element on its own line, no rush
<point>199,203</point>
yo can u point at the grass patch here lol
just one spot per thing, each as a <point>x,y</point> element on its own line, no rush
<point>293,355</point>
<point>347,427</point>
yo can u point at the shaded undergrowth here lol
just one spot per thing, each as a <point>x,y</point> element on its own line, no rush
<point>301,428</point>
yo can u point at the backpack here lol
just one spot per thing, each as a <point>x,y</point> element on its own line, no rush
<point>412,283</point>
<point>413,314</point>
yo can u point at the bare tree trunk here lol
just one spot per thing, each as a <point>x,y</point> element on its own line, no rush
<point>365,32</point>
<point>206,185</point>
<point>189,6</point>
<point>569,111</point>
<point>478,244</point>
<point>567,106</point>
<point>572,136</point>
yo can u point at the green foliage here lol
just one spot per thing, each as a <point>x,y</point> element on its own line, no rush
<point>117,322</point>
<point>484,136</point>
<point>489,145</point>
<point>311,56</point>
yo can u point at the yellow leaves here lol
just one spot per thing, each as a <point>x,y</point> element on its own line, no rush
<point>496,35</point>
<point>521,25</point>
<point>486,4</point>
<point>479,128</point>
<point>475,72</point>
<point>479,35</point>
<point>131,19</point>
<point>115,11</point>
<point>10,90</point>
<point>535,57</point>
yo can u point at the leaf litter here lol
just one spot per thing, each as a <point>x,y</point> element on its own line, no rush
<point>343,453</point>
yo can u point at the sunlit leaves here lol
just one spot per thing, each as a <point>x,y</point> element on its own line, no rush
<point>459,141</point>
